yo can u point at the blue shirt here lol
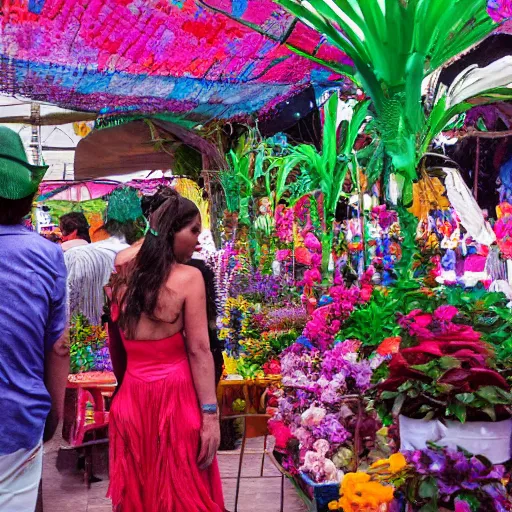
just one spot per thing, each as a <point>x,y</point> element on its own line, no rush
<point>32,319</point>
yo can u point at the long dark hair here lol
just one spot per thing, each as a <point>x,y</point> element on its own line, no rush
<point>154,260</point>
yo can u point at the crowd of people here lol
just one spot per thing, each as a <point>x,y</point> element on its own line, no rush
<point>161,322</point>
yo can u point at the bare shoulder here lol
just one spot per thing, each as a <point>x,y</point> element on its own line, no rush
<point>185,279</point>
<point>126,255</point>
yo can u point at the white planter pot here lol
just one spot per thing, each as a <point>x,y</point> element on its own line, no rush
<point>414,434</point>
<point>490,439</point>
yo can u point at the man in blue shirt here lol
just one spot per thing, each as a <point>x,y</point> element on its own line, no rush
<point>34,354</point>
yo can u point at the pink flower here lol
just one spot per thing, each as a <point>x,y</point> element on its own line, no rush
<point>312,276</point>
<point>283,254</point>
<point>312,243</point>
<point>446,313</point>
<point>462,506</point>
<point>316,260</point>
<point>423,320</point>
<point>281,432</point>
<point>366,292</point>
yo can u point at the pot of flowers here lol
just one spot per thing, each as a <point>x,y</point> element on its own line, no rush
<point>441,479</point>
<point>444,389</point>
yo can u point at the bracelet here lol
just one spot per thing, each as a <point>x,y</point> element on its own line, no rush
<point>209,408</point>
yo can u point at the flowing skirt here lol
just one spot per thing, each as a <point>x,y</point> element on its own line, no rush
<point>155,423</point>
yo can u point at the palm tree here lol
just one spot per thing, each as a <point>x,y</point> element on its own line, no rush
<point>394,45</point>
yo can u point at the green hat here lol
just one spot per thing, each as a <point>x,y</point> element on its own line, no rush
<point>124,206</point>
<point>18,178</point>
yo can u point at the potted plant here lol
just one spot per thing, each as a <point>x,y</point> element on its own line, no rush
<point>443,387</point>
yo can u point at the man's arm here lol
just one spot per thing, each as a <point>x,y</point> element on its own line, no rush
<point>56,343</point>
<point>56,370</point>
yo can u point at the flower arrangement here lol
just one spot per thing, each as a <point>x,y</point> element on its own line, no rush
<point>260,288</point>
<point>225,266</point>
<point>360,493</point>
<point>284,218</point>
<point>88,350</point>
<point>335,308</point>
<point>321,399</point>
<point>235,322</point>
<point>439,477</point>
<point>445,373</point>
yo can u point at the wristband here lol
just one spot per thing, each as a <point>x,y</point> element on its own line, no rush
<point>209,408</point>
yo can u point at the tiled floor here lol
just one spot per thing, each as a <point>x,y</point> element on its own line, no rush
<point>64,490</point>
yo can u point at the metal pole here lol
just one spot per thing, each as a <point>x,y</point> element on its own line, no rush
<point>35,143</point>
<point>477,168</point>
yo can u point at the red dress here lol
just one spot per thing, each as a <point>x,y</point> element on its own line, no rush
<point>155,422</point>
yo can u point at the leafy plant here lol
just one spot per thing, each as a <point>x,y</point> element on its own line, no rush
<point>394,45</point>
<point>247,369</point>
<point>231,186</point>
<point>447,373</point>
<point>85,341</point>
<point>327,169</point>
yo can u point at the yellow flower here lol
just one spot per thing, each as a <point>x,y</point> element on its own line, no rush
<point>383,431</point>
<point>397,462</point>
<point>229,364</point>
<point>333,505</point>
<point>361,494</point>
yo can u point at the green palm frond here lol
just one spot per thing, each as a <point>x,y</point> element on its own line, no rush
<point>327,169</point>
<point>394,45</point>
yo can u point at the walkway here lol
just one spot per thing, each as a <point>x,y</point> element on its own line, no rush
<point>64,491</point>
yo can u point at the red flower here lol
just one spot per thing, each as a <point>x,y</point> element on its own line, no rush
<point>302,256</point>
<point>272,367</point>
<point>389,346</point>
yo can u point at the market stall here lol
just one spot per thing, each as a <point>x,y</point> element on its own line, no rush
<point>364,284</point>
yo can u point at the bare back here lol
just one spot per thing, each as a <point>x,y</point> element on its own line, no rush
<point>168,318</point>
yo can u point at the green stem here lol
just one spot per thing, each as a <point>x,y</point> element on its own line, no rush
<point>326,255</point>
<point>408,225</point>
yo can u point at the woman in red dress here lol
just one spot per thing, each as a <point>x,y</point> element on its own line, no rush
<point>164,428</point>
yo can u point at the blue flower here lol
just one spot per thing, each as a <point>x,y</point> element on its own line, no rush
<point>304,340</point>
<point>325,300</point>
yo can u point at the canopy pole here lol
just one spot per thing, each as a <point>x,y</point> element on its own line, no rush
<point>477,169</point>
<point>35,143</point>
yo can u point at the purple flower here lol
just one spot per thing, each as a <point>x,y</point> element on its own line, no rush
<point>331,429</point>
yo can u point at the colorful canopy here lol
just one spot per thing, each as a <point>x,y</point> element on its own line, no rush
<point>198,60</point>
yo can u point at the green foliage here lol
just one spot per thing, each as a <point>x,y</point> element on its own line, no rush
<point>394,45</point>
<point>231,186</point>
<point>327,169</point>
<point>374,321</point>
<point>247,369</point>
<point>268,345</point>
<point>85,340</point>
